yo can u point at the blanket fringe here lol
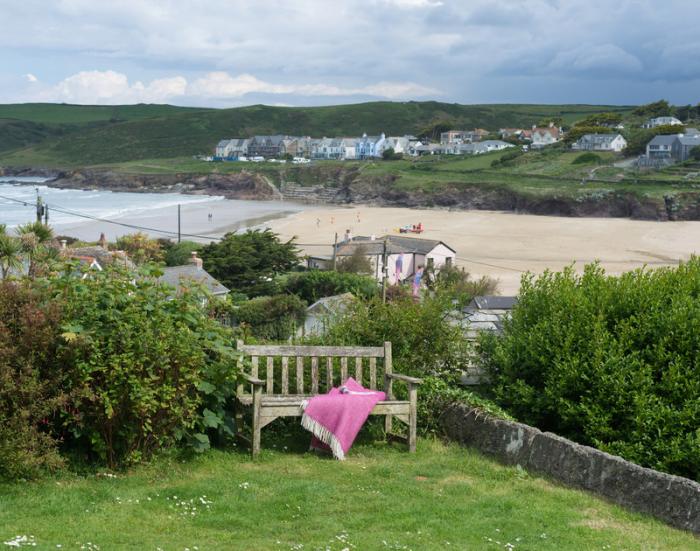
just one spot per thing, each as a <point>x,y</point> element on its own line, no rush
<point>324,435</point>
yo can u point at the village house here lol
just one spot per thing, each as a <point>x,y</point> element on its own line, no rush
<point>193,271</point>
<point>659,148</point>
<point>404,255</point>
<point>662,121</point>
<point>684,144</point>
<point>398,144</point>
<point>542,137</point>
<point>349,148</point>
<point>462,136</point>
<point>268,147</point>
<point>600,142</point>
<point>510,132</point>
<point>479,148</point>
<point>369,147</point>
<point>232,148</point>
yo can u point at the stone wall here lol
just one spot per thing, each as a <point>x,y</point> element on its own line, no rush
<point>673,499</point>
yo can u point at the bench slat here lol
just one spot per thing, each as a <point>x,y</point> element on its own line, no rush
<point>254,368</point>
<point>307,351</point>
<point>300,375</point>
<point>373,373</point>
<point>270,375</point>
<point>314,375</point>
<point>329,373</point>
<point>358,370</point>
<point>343,369</point>
<point>285,375</point>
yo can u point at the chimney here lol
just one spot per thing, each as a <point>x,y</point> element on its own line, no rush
<point>194,259</point>
<point>551,124</point>
<point>102,241</point>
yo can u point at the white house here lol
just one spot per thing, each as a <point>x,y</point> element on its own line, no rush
<point>600,142</point>
<point>662,121</point>
<point>398,144</point>
<point>232,148</point>
<point>369,147</point>
<point>404,255</point>
<point>481,147</point>
<point>349,146</point>
<point>545,136</point>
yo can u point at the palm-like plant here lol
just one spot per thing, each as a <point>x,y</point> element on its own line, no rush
<point>10,254</point>
<point>34,238</point>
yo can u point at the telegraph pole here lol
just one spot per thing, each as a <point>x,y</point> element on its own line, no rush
<point>39,207</point>
<point>384,271</point>
<point>335,250</point>
<point>178,223</point>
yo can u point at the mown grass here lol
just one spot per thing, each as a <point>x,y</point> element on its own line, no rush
<point>443,497</point>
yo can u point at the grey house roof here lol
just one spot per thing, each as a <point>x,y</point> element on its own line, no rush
<point>174,275</point>
<point>395,245</point>
<point>491,302</point>
<point>690,141</point>
<point>597,139</point>
<point>664,139</point>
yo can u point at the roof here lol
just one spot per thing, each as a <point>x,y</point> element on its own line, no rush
<point>599,138</point>
<point>665,120</point>
<point>663,139</point>
<point>331,305</point>
<point>394,245</point>
<point>689,140</point>
<point>103,256</point>
<point>492,302</point>
<point>173,276</point>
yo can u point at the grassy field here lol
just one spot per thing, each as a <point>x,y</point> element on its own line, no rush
<point>444,497</point>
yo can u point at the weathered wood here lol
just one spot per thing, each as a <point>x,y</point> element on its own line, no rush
<point>373,373</point>
<point>285,375</point>
<point>412,416</point>
<point>307,351</point>
<point>343,370</point>
<point>388,386</point>
<point>252,380</point>
<point>404,378</point>
<point>270,375</point>
<point>314,375</point>
<point>329,373</point>
<point>257,400</point>
<point>300,375</point>
<point>358,369</point>
<point>254,366</point>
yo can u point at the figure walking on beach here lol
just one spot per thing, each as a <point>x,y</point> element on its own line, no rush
<point>211,216</point>
<point>416,282</point>
<point>318,222</point>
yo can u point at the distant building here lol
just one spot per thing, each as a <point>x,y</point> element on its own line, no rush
<point>660,147</point>
<point>349,148</point>
<point>682,146</point>
<point>662,121</point>
<point>462,136</point>
<point>175,276</point>
<point>322,313</point>
<point>510,132</point>
<point>542,137</point>
<point>328,148</point>
<point>478,148</point>
<point>369,147</point>
<point>398,144</point>
<point>268,147</point>
<point>600,142</point>
<point>232,148</point>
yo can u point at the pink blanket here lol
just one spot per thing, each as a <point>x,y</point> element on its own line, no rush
<point>335,418</point>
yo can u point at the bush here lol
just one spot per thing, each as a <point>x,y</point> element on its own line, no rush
<point>456,284</point>
<point>315,284</point>
<point>149,369</point>
<point>508,158</point>
<point>607,361</point>
<point>423,340</point>
<point>271,318</point>
<point>356,263</point>
<point>30,385</point>
<point>587,158</point>
<point>178,254</point>
<point>140,248</point>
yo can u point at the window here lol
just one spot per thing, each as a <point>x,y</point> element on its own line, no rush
<point>431,262</point>
<point>448,261</point>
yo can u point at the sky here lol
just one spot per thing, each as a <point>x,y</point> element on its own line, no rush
<point>309,52</point>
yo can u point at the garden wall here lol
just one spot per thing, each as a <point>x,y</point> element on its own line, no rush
<point>673,499</point>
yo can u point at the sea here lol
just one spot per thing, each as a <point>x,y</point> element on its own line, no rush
<point>87,213</point>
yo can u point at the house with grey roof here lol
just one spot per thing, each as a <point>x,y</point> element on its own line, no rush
<point>662,121</point>
<point>403,255</point>
<point>659,148</point>
<point>268,147</point>
<point>369,147</point>
<point>232,148</point>
<point>683,145</point>
<point>193,272</point>
<point>478,148</point>
<point>600,142</point>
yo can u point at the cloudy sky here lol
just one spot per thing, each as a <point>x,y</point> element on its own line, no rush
<point>309,52</point>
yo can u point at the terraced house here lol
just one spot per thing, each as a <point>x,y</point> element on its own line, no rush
<point>266,146</point>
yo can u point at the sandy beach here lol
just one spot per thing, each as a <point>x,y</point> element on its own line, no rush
<point>504,245</point>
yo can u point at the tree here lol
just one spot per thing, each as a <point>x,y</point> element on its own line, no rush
<point>659,108</point>
<point>34,238</point>
<point>179,253</point>
<point>695,153</point>
<point>357,263</point>
<point>248,262</point>
<point>600,119</point>
<point>556,121</point>
<point>10,254</point>
<point>390,155</point>
<point>140,248</point>
<point>638,140</point>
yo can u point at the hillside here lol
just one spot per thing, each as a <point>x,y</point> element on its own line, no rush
<point>126,133</point>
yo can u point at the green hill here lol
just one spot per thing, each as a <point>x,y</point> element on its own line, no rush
<point>123,133</point>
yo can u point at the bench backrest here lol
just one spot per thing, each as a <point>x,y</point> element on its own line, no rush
<point>310,361</point>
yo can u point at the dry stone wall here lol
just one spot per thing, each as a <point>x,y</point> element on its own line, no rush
<point>673,499</point>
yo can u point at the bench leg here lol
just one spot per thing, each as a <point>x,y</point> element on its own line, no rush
<point>255,440</point>
<point>388,424</point>
<point>412,417</point>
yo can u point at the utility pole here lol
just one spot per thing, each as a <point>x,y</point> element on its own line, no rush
<point>39,207</point>
<point>178,223</point>
<point>46,215</point>
<point>335,250</point>
<point>384,271</point>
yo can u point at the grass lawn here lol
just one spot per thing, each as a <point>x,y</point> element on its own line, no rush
<point>443,497</point>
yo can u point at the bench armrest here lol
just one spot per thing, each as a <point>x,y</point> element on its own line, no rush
<point>252,380</point>
<point>404,378</point>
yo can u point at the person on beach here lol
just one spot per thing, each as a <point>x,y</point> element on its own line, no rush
<point>358,217</point>
<point>210,216</point>
<point>318,222</point>
<point>416,281</point>
<point>398,269</point>
<point>332,219</point>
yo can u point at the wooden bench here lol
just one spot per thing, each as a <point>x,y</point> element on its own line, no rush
<point>271,398</point>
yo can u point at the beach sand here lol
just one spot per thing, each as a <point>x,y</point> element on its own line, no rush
<point>504,245</point>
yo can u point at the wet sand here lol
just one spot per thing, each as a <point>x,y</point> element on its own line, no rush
<point>504,245</point>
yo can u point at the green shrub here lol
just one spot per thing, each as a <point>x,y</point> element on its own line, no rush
<point>178,254</point>
<point>587,158</point>
<point>607,361</point>
<point>508,158</point>
<point>149,369</point>
<point>315,284</point>
<point>271,318</point>
<point>31,390</point>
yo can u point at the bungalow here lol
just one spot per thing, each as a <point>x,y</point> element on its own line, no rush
<point>175,276</point>
<point>600,142</point>
<point>662,121</point>
<point>404,254</point>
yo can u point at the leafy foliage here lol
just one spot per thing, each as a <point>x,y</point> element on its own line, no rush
<point>659,108</point>
<point>271,318</point>
<point>315,284</point>
<point>31,389</point>
<point>248,262</point>
<point>356,263</point>
<point>139,358</point>
<point>455,284</point>
<point>695,153</point>
<point>140,248</point>
<point>180,253</point>
<point>587,158</point>
<point>638,140</point>
<point>607,361</point>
